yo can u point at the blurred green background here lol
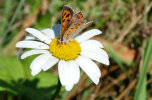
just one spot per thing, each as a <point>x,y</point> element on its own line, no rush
<point>127,37</point>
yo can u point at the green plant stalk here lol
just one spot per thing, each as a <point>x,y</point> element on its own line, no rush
<point>148,53</point>
<point>12,20</point>
<point>57,90</point>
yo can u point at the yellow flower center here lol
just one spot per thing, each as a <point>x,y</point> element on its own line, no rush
<point>67,51</point>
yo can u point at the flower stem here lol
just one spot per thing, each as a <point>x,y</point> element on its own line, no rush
<point>57,90</point>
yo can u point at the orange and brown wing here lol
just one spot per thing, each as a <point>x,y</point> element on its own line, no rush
<point>76,17</point>
<point>67,14</point>
<point>74,29</point>
<point>75,22</point>
<point>79,15</point>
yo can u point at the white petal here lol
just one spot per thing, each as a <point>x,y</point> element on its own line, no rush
<point>100,57</point>
<point>96,50</point>
<point>75,71</point>
<point>48,32</point>
<point>69,73</point>
<point>73,74</point>
<point>33,52</point>
<point>50,63</point>
<point>69,87</point>
<point>38,62</point>
<point>48,41</point>
<point>30,37</point>
<point>37,34</point>
<point>90,44</point>
<point>87,35</point>
<point>90,68</point>
<point>45,31</point>
<point>32,44</point>
<point>62,71</point>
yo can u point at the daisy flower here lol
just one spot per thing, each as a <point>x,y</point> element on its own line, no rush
<point>77,53</point>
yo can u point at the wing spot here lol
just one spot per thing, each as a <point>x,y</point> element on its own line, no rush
<point>65,13</point>
<point>68,15</point>
<point>68,20</point>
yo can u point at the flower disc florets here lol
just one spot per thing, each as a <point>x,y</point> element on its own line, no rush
<point>67,51</point>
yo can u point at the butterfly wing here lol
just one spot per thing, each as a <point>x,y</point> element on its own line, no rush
<point>76,25</point>
<point>67,14</point>
<point>76,17</point>
<point>74,29</point>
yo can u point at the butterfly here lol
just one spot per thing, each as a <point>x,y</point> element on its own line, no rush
<point>71,24</point>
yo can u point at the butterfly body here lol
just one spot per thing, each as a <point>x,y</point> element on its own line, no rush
<point>71,24</point>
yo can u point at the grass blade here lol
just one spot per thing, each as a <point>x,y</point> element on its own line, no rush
<point>7,9</point>
<point>12,20</point>
<point>141,83</point>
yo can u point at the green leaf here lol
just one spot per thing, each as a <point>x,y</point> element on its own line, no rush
<point>45,79</point>
<point>28,90</point>
<point>141,85</point>
<point>142,94</point>
<point>11,69</point>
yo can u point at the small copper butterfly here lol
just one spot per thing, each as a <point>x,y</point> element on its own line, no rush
<point>71,24</point>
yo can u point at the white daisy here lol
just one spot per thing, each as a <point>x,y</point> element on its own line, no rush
<point>70,57</point>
